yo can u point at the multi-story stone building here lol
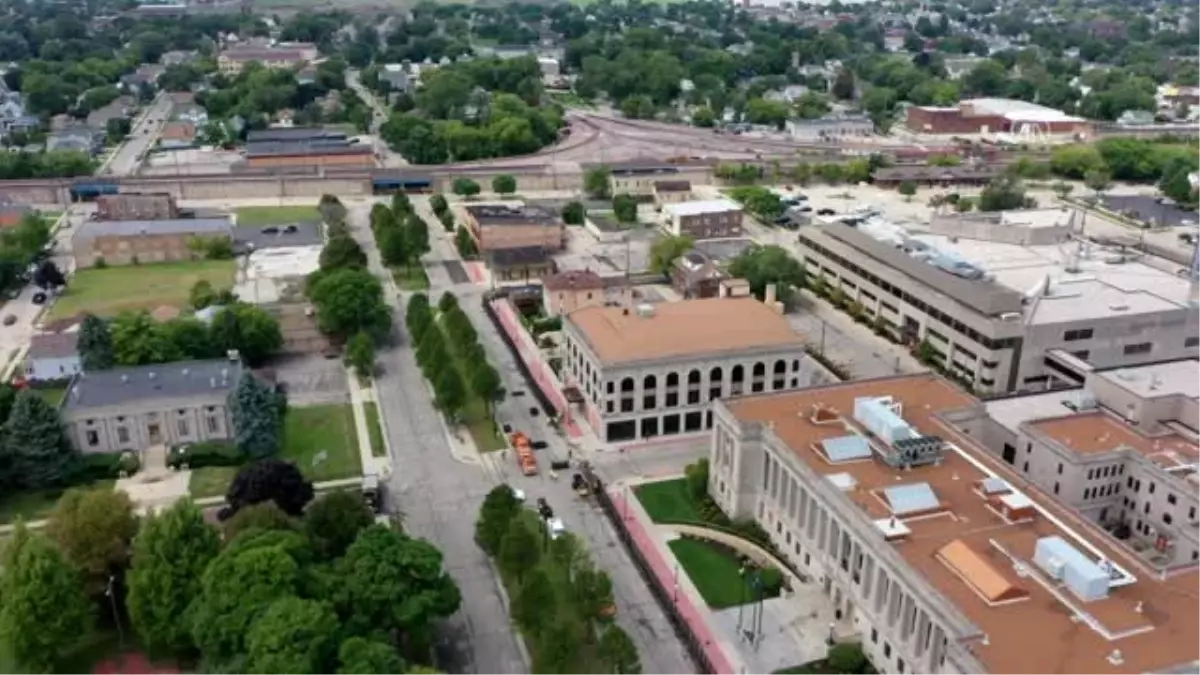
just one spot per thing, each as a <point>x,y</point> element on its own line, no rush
<point>136,408</point>
<point>507,226</point>
<point>937,557</point>
<point>653,370</point>
<point>570,290</point>
<point>127,242</point>
<point>1009,303</point>
<point>233,60</point>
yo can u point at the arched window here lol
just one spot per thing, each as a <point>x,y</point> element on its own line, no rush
<point>739,373</point>
<point>760,369</point>
<point>649,382</point>
<point>693,376</point>
<point>627,384</point>
<point>780,367</point>
<point>672,379</point>
<point>715,374</point>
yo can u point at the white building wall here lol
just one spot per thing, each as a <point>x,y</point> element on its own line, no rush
<point>57,368</point>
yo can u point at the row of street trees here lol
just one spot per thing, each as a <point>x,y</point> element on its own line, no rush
<point>562,604</point>
<point>318,589</point>
<point>349,299</point>
<point>401,235</point>
<point>450,356</point>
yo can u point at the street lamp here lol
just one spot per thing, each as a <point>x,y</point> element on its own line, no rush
<point>675,596</point>
<point>112,600</point>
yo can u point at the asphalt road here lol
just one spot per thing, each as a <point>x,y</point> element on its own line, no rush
<point>440,495</point>
<point>144,133</point>
<point>379,115</point>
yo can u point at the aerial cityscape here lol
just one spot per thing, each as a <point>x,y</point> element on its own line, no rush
<point>595,336</point>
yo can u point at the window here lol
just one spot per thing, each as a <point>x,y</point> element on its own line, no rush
<point>122,434</point>
<point>875,636</point>
<point>1087,494</point>
<point>1055,488</point>
<point>887,650</point>
<point>1139,348</point>
<point>1167,518</point>
<point>182,426</point>
<point>93,437</point>
<point>1151,488</point>
<point>1192,513</point>
<point>672,399</point>
<point>1025,468</point>
<point>900,665</point>
<point>1060,470</point>
<point>1080,334</point>
<point>214,426</point>
<point>1192,341</point>
<point>1171,499</point>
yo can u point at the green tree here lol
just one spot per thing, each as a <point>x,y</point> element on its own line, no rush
<point>666,250</point>
<point>704,117</point>
<point>519,549</point>
<point>170,553</point>
<point>94,529</point>
<point>847,658</point>
<point>46,611</point>
<point>360,656</point>
<point>465,243</point>
<point>504,184</point>
<point>437,203</point>
<point>559,639</point>
<point>341,251</point>
<point>138,340</point>
<point>360,354</point>
<point>619,651</point>
<point>1075,161</point>
<point>95,345</point>
<point>416,237</point>
<point>464,187</point>
<point>393,248</point>
<point>625,208</point>
<point>190,337</point>
<point>334,520</point>
<point>390,581</point>
<point>596,182</point>
<point>250,330</point>
<point>844,85</point>
<point>236,589</point>
<point>1062,189</point>
<point>907,188</point>
<point>531,600</point>
<point>1003,194</point>
<point>262,516</point>
<point>763,265</point>
<point>40,453</point>
<point>449,393</point>
<point>574,213</point>
<point>257,413</point>
<point>486,384</point>
<point>696,478</point>
<point>331,208</point>
<point>350,301</point>
<point>1098,181</point>
<point>292,636</point>
<point>499,509</point>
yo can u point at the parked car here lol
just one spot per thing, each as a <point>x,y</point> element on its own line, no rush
<point>10,320</point>
<point>39,298</point>
<point>533,412</point>
<point>291,229</point>
<point>270,230</point>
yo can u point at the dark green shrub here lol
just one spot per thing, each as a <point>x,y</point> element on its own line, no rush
<point>207,453</point>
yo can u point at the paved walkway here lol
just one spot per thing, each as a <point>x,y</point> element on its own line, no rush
<point>359,395</point>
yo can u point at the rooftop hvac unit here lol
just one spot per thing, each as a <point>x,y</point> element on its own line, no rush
<point>1087,579</point>
<point>645,310</point>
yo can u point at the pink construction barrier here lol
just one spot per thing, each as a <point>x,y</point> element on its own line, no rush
<point>664,571</point>
<point>543,376</point>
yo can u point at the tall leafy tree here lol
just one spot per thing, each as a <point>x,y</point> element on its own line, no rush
<point>619,651</point>
<point>334,521</point>
<point>341,251</point>
<point>138,340</point>
<point>41,454</point>
<point>486,383</point>
<point>449,393</point>
<point>170,554</point>
<point>533,597</point>
<point>360,656</point>
<point>349,301</point>
<point>390,581</point>
<point>520,549</point>
<point>504,184</point>
<point>498,510</point>
<point>45,611</point>
<point>94,530</point>
<point>360,354</point>
<point>95,344</point>
<point>237,588</point>
<point>293,636</point>
<point>257,412</point>
<point>252,331</point>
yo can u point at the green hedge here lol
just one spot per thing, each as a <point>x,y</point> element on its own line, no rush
<point>207,453</point>
<point>102,466</point>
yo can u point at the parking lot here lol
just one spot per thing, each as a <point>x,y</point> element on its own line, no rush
<point>584,252</point>
<point>189,162</point>
<point>312,379</point>
<point>1154,211</point>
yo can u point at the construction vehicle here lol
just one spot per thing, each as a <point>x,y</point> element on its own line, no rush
<point>525,458</point>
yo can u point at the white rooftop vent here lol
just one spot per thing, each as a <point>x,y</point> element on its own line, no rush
<point>842,481</point>
<point>645,310</point>
<point>152,375</point>
<point>232,355</point>
<point>124,378</point>
<point>892,528</point>
<point>1118,307</point>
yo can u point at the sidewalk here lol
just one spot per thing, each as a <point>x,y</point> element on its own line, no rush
<point>358,396</point>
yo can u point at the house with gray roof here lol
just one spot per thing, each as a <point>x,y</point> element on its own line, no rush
<point>77,138</point>
<point>129,242</point>
<point>140,407</point>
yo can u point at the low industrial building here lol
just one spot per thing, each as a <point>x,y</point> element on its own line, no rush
<point>268,155</point>
<point>996,116</point>
<point>936,176</point>
<point>524,264</point>
<point>695,275</point>
<point>507,226</point>
<point>638,177</point>
<point>652,370</point>
<point>1011,302</point>
<point>709,219</point>
<point>937,557</point>
<point>136,206</point>
<point>128,242</point>
<point>831,129</point>
<point>52,356</point>
<point>140,407</point>
<point>1121,450</point>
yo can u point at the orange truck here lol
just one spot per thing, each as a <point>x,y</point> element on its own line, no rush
<point>524,450</point>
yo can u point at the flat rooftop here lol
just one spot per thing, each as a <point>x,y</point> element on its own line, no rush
<point>1099,431</point>
<point>208,379</point>
<point>701,207</point>
<point>966,551</point>
<point>1173,378</point>
<point>129,228</point>
<point>685,328</point>
<point>512,214</point>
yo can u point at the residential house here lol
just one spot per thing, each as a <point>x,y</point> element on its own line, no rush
<point>523,264</point>
<point>140,407</point>
<point>398,77</point>
<point>12,115</point>
<point>126,242</point>
<point>831,128</point>
<point>77,138</point>
<point>178,58</point>
<point>53,356</point>
<point>177,135</point>
<point>709,219</point>
<point>122,107</point>
<point>194,114</point>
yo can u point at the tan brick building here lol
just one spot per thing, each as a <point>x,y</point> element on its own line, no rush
<point>671,192</point>
<point>128,242</point>
<point>498,226</point>
<point>136,206</point>
<point>714,219</point>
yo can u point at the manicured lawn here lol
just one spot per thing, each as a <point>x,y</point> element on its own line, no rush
<point>276,215</point>
<point>109,291</point>
<point>375,429</point>
<point>211,481</point>
<point>411,278</point>
<point>53,396</point>
<point>35,504</point>
<point>714,571</point>
<point>483,429</point>
<point>321,440</point>
<point>668,501</point>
